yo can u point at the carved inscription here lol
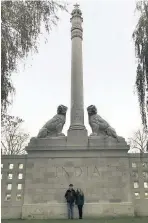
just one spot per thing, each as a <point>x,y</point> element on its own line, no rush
<point>76,171</point>
<point>65,172</point>
<point>96,172</point>
<point>78,115</point>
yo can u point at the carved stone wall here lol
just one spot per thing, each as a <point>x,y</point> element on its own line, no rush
<point>13,171</point>
<point>139,183</point>
<point>105,179</point>
<point>113,184</point>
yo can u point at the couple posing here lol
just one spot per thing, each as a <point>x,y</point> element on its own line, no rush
<point>74,197</point>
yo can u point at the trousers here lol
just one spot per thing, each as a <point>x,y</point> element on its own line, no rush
<point>70,208</point>
<point>80,209</point>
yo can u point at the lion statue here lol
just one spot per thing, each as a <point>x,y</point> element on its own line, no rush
<point>98,125</point>
<point>55,125</point>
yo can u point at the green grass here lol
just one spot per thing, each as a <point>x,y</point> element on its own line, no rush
<point>100,220</point>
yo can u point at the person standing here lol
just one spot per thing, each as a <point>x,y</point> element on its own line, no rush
<point>80,202</point>
<point>70,196</point>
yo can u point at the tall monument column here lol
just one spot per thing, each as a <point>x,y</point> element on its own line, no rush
<point>77,127</point>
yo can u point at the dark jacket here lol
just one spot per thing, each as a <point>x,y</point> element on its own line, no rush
<point>79,199</point>
<point>70,196</point>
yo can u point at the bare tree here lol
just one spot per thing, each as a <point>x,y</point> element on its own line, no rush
<point>139,141</point>
<point>13,137</point>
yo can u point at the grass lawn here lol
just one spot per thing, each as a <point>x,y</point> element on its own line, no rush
<point>100,220</point>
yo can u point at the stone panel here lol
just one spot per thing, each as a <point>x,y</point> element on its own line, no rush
<point>12,208</point>
<point>107,182</point>
<point>105,178</point>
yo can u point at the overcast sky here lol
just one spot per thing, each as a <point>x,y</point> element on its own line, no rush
<point>109,69</point>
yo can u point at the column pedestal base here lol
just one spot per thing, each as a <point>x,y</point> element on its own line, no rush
<point>77,137</point>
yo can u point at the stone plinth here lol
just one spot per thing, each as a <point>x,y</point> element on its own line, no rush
<point>98,167</point>
<point>77,137</point>
<point>77,140</point>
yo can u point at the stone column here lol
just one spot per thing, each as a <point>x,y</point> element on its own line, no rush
<point>77,104</point>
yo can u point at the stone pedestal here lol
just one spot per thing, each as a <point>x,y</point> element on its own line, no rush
<point>77,138</point>
<point>100,167</point>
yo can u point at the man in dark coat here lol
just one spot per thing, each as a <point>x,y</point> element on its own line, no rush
<point>70,196</point>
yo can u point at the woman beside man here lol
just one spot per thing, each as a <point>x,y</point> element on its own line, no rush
<point>80,202</point>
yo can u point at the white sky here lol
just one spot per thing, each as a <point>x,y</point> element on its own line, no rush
<point>109,69</point>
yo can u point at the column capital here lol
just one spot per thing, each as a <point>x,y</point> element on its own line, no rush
<point>76,20</point>
<point>76,12</point>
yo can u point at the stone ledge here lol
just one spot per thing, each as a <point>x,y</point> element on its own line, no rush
<point>78,153</point>
<point>71,143</point>
<point>14,157</point>
<point>56,210</point>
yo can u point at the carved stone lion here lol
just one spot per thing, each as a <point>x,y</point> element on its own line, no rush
<point>98,125</point>
<point>55,125</point>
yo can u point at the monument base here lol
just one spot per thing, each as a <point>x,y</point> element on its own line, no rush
<point>77,137</point>
<point>96,165</point>
<point>92,210</point>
